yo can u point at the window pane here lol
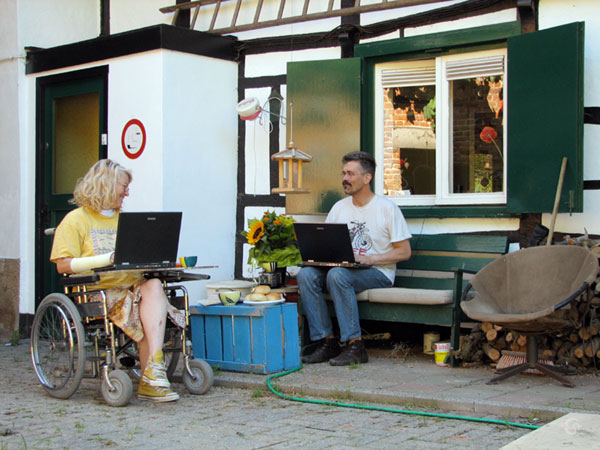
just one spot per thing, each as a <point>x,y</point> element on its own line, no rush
<point>77,131</point>
<point>477,135</point>
<point>409,140</point>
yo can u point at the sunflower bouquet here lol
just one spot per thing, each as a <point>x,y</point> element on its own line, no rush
<point>273,240</point>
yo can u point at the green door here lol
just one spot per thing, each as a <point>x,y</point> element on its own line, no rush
<point>73,136</point>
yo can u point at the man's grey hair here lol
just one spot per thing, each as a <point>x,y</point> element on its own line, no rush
<point>366,161</point>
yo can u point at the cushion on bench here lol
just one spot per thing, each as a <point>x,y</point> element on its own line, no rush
<point>411,296</point>
<point>362,296</point>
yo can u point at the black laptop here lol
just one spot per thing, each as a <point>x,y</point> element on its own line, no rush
<point>146,240</point>
<point>326,245</point>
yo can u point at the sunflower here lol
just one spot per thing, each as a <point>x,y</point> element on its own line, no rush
<point>256,231</point>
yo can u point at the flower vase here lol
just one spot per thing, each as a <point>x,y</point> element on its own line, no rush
<point>273,276</point>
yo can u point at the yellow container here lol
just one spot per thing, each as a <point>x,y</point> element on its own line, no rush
<point>428,340</point>
<point>442,350</point>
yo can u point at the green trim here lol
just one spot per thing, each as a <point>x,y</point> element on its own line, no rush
<point>437,42</point>
<point>426,212</point>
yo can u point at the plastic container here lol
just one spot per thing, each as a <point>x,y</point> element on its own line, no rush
<point>213,288</point>
<point>442,351</point>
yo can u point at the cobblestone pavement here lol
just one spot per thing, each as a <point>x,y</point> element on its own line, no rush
<point>223,418</point>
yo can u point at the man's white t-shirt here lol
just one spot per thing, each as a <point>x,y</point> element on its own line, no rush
<point>373,227</point>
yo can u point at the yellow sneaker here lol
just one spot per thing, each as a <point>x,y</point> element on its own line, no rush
<point>156,393</point>
<point>155,373</point>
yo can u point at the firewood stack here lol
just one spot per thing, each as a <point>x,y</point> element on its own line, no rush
<point>577,346</point>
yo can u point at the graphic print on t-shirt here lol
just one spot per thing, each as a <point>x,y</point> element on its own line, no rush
<point>359,235</point>
<point>103,240</point>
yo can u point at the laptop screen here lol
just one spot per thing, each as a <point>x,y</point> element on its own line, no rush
<point>324,242</point>
<point>147,237</point>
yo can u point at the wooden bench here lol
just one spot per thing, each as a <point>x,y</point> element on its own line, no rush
<point>428,287</point>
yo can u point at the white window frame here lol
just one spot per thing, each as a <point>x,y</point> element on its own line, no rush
<point>443,195</point>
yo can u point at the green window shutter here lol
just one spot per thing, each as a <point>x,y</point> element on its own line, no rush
<point>326,98</point>
<point>545,118</point>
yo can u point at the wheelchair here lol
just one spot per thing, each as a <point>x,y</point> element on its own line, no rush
<point>73,338</point>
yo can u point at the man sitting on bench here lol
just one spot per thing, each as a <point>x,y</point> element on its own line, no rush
<point>380,238</point>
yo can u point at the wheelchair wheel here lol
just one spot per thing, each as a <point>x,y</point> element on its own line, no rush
<point>123,391</point>
<point>203,377</point>
<point>58,346</point>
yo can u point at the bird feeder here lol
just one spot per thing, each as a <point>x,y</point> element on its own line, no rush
<point>290,170</point>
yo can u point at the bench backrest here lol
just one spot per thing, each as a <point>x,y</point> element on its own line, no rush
<point>440,253</point>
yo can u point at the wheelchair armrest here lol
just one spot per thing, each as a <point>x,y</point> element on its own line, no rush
<point>73,280</point>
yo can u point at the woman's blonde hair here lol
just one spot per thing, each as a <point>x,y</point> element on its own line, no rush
<point>98,187</point>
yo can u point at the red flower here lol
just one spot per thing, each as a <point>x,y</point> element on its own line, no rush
<point>488,134</point>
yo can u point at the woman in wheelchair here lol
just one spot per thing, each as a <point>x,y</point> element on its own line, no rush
<point>85,239</point>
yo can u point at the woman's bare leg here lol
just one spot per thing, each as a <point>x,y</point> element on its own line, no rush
<point>153,314</point>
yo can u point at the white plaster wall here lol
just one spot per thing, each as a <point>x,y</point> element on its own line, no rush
<point>10,65</point>
<point>44,23</point>
<point>558,12</point>
<point>508,15</point>
<point>257,146</point>
<point>135,91</point>
<point>200,150</point>
<point>128,15</point>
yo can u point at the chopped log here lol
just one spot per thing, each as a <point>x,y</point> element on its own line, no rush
<point>556,344</point>
<point>574,338</point>
<point>584,334</point>
<point>592,347</point>
<point>487,326</point>
<point>478,355</point>
<point>585,362</point>
<point>522,340</point>
<point>500,343</point>
<point>490,351</point>
<point>469,364</point>
<point>578,351</point>
<point>547,354</point>
<point>509,336</point>
<point>498,327</point>
<point>470,345</point>
<point>491,335</point>
<point>574,316</point>
<point>564,351</point>
<point>515,347</point>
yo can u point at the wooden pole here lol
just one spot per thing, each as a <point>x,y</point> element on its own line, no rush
<point>561,178</point>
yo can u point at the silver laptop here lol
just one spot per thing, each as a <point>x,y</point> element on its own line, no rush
<point>326,245</point>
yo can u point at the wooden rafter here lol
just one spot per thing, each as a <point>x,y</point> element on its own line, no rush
<point>304,16</point>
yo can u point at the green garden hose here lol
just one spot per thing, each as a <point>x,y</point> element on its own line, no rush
<point>393,410</point>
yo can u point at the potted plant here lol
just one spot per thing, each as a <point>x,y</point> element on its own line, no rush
<point>273,241</point>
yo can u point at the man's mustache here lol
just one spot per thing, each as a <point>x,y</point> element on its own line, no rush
<point>346,183</point>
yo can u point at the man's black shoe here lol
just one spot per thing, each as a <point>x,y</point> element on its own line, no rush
<point>353,353</point>
<point>327,349</point>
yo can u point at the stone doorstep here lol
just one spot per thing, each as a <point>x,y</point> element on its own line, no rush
<point>573,430</point>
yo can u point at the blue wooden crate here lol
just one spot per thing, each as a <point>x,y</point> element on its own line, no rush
<point>243,338</point>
